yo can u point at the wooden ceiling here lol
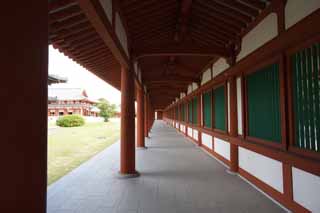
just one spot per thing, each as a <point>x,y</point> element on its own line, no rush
<point>71,32</point>
<point>172,40</point>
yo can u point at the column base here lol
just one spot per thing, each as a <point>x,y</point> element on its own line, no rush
<point>141,147</point>
<point>231,172</point>
<point>120,175</point>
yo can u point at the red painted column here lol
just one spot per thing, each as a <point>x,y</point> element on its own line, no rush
<point>199,112</point>
<point>127,152</point>
<point>146,108</point>
<point>140,118</point>
<point>234,163</point>
<point>23,92</point>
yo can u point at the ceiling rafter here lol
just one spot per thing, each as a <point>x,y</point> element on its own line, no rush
<point>183,20</point>
<point>254,3</point>
<point>64,14</point>
<point>226,11</point>
<point>235,5</point>
<point>183,49</point>
<point>54,6</point>
<point>68,23</point>
<point>212,15</point>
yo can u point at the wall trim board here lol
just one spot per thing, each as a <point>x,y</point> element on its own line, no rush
<point>290,204</point>
<point>293,159</point>
<point>216,155</point>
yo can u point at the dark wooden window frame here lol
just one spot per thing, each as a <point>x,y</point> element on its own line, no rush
<point>291,147</point>
<point>202,110</point>
<point>225,87</point>
<point>283,144</point>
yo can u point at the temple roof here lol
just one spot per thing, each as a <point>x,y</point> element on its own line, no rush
<point>67,94</point>
<point>54,79</point>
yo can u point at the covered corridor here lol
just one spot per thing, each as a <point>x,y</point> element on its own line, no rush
<point>240,78</point>
<point>176,176</point>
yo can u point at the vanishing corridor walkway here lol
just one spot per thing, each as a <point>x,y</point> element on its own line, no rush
<point>176,176</point>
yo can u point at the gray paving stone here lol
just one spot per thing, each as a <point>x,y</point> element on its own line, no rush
<point>176,176</point>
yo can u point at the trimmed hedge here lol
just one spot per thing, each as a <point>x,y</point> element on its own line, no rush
<point>70,121</point>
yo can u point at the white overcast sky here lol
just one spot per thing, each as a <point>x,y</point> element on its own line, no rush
<point>79,77</point>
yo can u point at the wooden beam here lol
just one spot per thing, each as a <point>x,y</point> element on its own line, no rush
<point>183,20</point>
<point>254,3</point>
<point>180,50</point>
<point>105,30</point>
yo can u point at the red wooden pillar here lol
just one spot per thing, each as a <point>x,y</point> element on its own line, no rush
<point>146,109</point>
<point>23,92</point>
<point>127,152</point>
<point>234,164</point>
<point>199,112</point>
<point>140,118</point>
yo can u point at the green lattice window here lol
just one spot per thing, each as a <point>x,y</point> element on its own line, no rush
<point>219,108</point>
<point>195,110</point>
<point>306,97</point>
<point>263,98</point>
<point>207,109</point>
<point>182,111</point>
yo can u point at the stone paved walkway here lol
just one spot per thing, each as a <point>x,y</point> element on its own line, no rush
<point>176,176</point>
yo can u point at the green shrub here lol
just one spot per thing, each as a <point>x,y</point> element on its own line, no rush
<point>70,121</point>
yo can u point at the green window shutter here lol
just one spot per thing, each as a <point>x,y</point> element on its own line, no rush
<point>219,109</point>
<point>306,97</point>
<point>207,109</point>
<point>195,110</point>
<point>263,93</point>
<point>190,112</point>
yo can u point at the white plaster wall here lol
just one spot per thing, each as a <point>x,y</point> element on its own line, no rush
<point>296,10</point>
<point>266,30</point>
<point>222,148</point>
<point>107,6</point>
<point>206,76</point>
<point>195,134</point>
<point>194,86</point>
<point>239,106</point>
<point>264,168</point>
<point>183,128</point>
<point>306,188</point>
<point>206,140</point>
<point>220,66</point>
<point>189,89</point>
<point>190,132</point>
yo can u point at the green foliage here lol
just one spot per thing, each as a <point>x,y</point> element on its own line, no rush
<point>107,110</point>
<point>70,121</point>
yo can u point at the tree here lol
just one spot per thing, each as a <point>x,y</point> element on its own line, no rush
<point>107,110</point>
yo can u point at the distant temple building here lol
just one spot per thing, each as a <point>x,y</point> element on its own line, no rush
<point>68,101</point>
<point>54,79</point>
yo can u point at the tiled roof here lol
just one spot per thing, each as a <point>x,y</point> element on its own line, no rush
<point>67,94</point>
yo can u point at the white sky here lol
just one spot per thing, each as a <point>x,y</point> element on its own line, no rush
<point>79,77</point>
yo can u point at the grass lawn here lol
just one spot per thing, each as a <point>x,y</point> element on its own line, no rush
<point>70,147</point>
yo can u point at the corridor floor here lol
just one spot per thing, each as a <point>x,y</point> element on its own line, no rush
<point>176,176</point>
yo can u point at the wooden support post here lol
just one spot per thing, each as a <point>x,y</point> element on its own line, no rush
<point>199,111</point>
<point>23,92</point>
<point>140,118</point>
<point>234,164</point>
<point>127,152</point>
<point>146,109</point>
